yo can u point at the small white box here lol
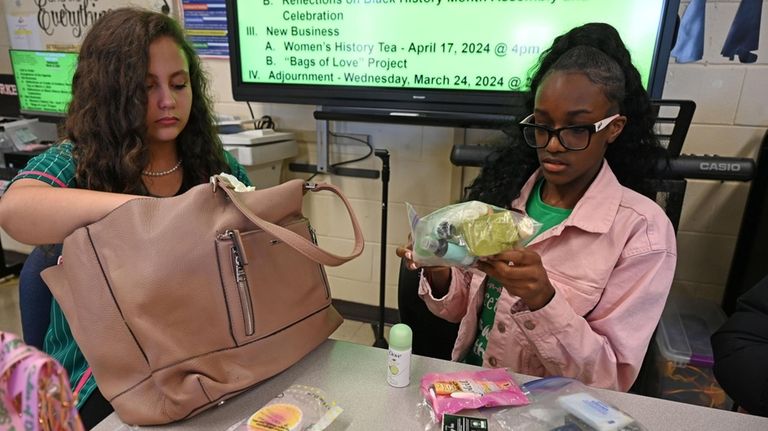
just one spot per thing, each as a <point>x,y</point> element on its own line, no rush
<point>255,137</point>
<point>265,153</point>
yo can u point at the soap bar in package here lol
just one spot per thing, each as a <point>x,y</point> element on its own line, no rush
<point>298,408</point>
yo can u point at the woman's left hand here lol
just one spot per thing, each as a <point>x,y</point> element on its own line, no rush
<point>521,272</point>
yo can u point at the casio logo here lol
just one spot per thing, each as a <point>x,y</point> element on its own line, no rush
<point>8,90</point>
<point>720,167</point>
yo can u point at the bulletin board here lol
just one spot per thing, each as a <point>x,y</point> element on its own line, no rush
<point>205,23</point>
<point>60,25</point>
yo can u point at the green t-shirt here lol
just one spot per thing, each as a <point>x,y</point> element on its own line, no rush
<point>549,217</point>
<point>57,168</point>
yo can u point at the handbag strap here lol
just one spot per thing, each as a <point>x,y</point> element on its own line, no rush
<point>294,240</point>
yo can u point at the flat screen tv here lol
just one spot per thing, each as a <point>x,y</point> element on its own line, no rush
<point>404,57</point>
<point>43,81</point>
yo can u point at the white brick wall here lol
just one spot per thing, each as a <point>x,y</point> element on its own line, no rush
<point>5,43</point>
<point>731,117</point>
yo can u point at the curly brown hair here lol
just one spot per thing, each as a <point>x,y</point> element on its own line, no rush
<point>106,120</point>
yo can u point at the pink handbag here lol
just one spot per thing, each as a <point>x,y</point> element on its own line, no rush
<point>34,389</point>
<point>180,303</point>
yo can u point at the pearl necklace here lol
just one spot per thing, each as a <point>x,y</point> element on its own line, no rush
<point>162,173</point>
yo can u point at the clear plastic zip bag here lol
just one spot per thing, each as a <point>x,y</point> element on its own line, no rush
<point>457,235</point>
<point>563,404</point>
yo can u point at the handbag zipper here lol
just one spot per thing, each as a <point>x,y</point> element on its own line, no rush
<point>238,267</point>
<point>312,233</point>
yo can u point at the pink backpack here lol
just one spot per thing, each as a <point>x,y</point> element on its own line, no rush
<point>34,390</point>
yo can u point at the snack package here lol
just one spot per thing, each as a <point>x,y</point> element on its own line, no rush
<point>561,403</point>
<point>453,392</point>
<point>298,408</point>
<point>458,234</point>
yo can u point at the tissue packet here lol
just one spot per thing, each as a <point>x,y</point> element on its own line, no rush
<point>448,393</point>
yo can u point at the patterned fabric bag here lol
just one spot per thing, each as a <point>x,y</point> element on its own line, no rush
<point>34,390</point>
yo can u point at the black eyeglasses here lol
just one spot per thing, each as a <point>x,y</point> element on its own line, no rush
<point>574,138</point>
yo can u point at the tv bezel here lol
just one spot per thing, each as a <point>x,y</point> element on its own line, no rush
<point>32,113</point>
<point>374,102</point>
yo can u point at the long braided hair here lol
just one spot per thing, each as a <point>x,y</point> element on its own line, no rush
<point>634,154</point>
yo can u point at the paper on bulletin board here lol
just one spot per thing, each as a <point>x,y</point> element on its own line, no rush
<point>60,25</point>
<point>205,23</point>
<point>23,32</point>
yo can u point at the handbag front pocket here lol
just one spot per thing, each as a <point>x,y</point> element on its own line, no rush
<point>268,286</point>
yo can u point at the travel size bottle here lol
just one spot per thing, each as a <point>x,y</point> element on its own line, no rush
<point>447,250</point>
<point>399,355</point>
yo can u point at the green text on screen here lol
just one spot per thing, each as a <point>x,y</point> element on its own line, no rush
<point>44,80</point>
<point>439,44</point>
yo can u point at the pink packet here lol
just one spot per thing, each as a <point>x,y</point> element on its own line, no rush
<point>453,392</point>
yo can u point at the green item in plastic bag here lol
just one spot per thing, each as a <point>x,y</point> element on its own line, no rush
<point>491,234</point>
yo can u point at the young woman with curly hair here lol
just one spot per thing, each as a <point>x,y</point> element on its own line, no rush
<point>583,298</point>
<point>139,124</point>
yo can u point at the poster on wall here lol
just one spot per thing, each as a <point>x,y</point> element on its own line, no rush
<point>205,22</point>
<point>59,25</point>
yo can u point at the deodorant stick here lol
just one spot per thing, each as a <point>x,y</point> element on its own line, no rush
<point>399,355</point>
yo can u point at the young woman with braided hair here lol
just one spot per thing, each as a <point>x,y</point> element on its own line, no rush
<point>583,298</point>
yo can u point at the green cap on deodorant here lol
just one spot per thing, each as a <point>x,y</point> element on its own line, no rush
<point>400,337</point>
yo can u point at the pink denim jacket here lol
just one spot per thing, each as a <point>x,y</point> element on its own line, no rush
<point>611,263</point>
